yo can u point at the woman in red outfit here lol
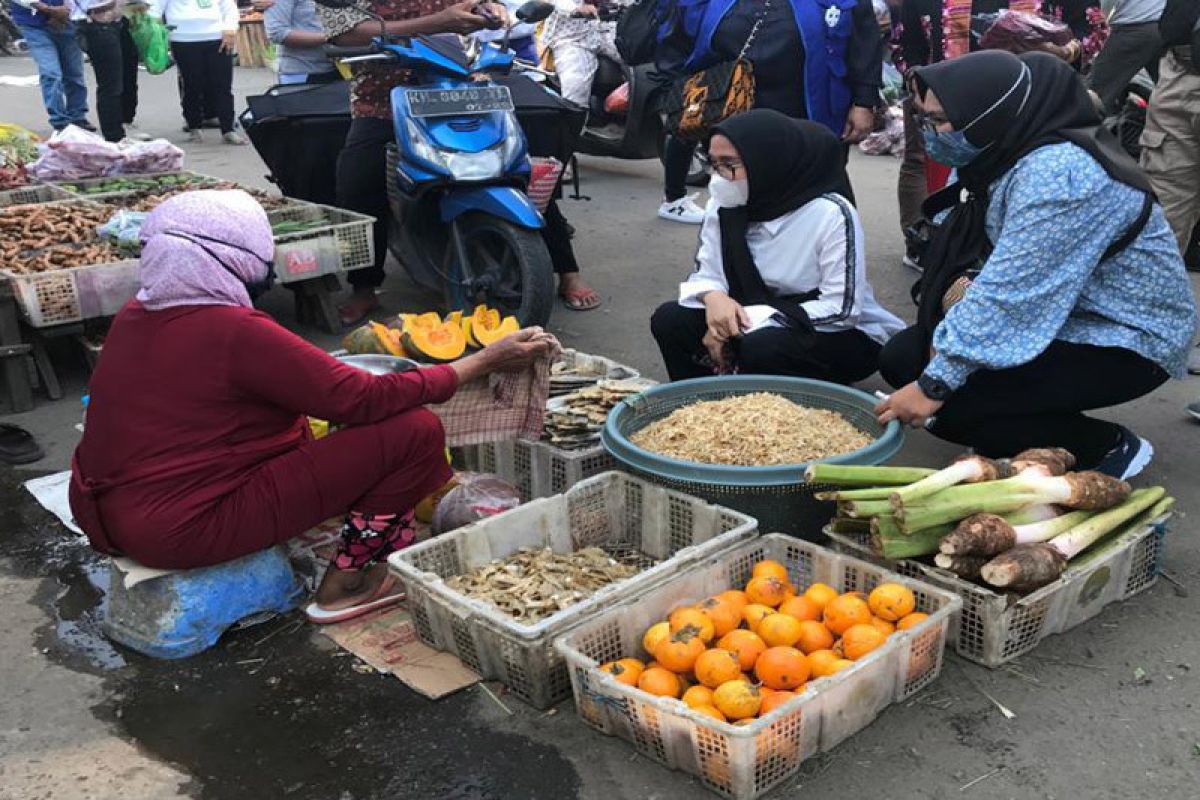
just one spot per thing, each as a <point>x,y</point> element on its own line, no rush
<point>196,449</point>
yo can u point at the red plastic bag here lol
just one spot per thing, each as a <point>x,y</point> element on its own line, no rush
<point>477,496</point>
<point>617,101</point>
<point>1020,32</point>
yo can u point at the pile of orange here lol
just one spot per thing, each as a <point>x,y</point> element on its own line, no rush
<point>741,654</point>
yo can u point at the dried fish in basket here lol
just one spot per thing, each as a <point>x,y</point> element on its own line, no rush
<point>533,584</point>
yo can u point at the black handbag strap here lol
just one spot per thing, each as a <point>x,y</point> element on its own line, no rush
<point>1134,230</point>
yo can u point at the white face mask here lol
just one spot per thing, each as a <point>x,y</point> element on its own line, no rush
<point>727,193</point>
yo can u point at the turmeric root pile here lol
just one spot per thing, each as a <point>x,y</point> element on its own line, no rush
<point>51,236</point>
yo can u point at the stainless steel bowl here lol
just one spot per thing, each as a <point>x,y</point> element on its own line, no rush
<point>379,365</point>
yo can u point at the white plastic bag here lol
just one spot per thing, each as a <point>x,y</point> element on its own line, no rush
<point>73,153</point>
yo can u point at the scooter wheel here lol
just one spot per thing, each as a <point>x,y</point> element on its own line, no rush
<point>510,268</point>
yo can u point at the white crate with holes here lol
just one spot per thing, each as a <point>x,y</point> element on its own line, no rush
<point>744,761</point>
<point>662,531</point>
<point>994,627</point>
<point>33,193</point>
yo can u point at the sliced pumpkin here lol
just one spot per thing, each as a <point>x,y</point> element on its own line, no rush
<point>373,339</point>
<point>426,321</point>
<point>442,343</point>
<point>455,318</point>
<point>486,336</point>
<point>468,334</point>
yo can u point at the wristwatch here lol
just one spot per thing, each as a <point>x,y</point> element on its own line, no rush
<point>933,388</point>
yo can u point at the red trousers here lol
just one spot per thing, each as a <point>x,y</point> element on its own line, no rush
<point>381,468</point>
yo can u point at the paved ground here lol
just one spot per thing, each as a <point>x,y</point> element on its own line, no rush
<point>1106,711</point>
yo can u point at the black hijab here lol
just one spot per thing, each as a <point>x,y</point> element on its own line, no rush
<point>1010,105</point>
<point>789,162</point>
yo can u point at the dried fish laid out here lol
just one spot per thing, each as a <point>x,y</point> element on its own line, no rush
<point>577,371</point>
<point>532,584</point>
<point>573,421</point>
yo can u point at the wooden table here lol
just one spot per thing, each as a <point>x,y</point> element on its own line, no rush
<point>253,47</point>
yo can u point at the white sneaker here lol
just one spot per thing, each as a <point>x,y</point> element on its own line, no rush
<point>682,210</point>
<point>194,136</point>
<point>233,137</point>
<point>137,134</point>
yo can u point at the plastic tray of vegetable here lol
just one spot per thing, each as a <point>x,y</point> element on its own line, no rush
<point>748,662</point>
<point>1032,548</point>
<point>631,521</point>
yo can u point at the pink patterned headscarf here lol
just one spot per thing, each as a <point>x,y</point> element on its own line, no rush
<point>196,246</point>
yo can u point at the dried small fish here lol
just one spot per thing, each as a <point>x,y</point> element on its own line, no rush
<point>574,420</point>
<point>531,584</point>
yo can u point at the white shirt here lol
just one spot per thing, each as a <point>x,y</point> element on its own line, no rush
<point>818,246</point>
<point>190,21</point>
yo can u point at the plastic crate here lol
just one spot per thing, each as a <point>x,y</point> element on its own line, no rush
<point>539,469</point>
<point>33,193</point>
<point>746,761</point>
<point>993,629</point>
<point>77,293</point>
<point>613,511</point>
<point>340,243</point>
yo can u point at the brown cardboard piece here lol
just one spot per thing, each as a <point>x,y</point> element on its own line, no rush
<point>387,640</point>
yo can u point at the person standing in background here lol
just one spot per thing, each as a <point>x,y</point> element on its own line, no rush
<point>51,38</point>
<point>105,33</point>
<point>203,41</point>
<point>1171,139</point>
<point>1133,43</point>
<point>293,25</point>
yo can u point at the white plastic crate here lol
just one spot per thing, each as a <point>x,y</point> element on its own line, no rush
<point>77,293</point>
<point>613,511</point>
<point>539,469</point>
<point>79,188</point>
<point>340,242</point>
<point>994,629</point>
<point>33,193</point>
<point>746,761</point>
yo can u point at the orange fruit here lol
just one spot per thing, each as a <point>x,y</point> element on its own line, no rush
<point>891,601</point>
<point>773,701</point>
<point>710,711</point>
<point>650,664</point>
<point>737,699</point>
<point>800,607</point>
<point>697,696</point>
<point>779,630</point>
<point>655,635</point>
<point>691,616</point>
<point>820,594</point>
<point>841,664</point>
<point>858,640</point>
<point>717,666</point>
<point>660,682</point>
<point>746,645</point>
<point>725,617</point>
<point>767,590</point>
<point>844,611</point>
<point>813,636</point>
<point>821,662</point>
<point>754,613</point>
<point>782,667</point>
<point>883,626</point>
<point>736,598</point>
<point>679,651</point>
<point>771,569</point>
<point>626,670</point>
<point>910,620</point>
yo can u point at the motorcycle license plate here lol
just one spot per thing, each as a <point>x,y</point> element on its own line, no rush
<point>447,102</point>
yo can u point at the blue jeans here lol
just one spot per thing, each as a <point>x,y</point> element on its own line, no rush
<point>60,70</point>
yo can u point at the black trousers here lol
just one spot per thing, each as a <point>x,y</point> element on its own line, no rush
<point>844,357</point>
<point>677,161</point>
<point>1039,404</point>
<point>207,76</point>
<point>115,63</point>
<point>362,186</point>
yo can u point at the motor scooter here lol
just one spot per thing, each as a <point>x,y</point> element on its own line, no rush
<point>460,221</point>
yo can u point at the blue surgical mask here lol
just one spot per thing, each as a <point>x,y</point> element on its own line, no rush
<point>950,148</point>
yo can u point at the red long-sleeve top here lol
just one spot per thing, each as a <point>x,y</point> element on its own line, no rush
<point>187,400</point>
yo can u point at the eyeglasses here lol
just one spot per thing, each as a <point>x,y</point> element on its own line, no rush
<point>725,168</point>
<point>930,122</point>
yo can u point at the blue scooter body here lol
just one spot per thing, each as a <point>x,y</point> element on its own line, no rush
<point>477,161</point>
